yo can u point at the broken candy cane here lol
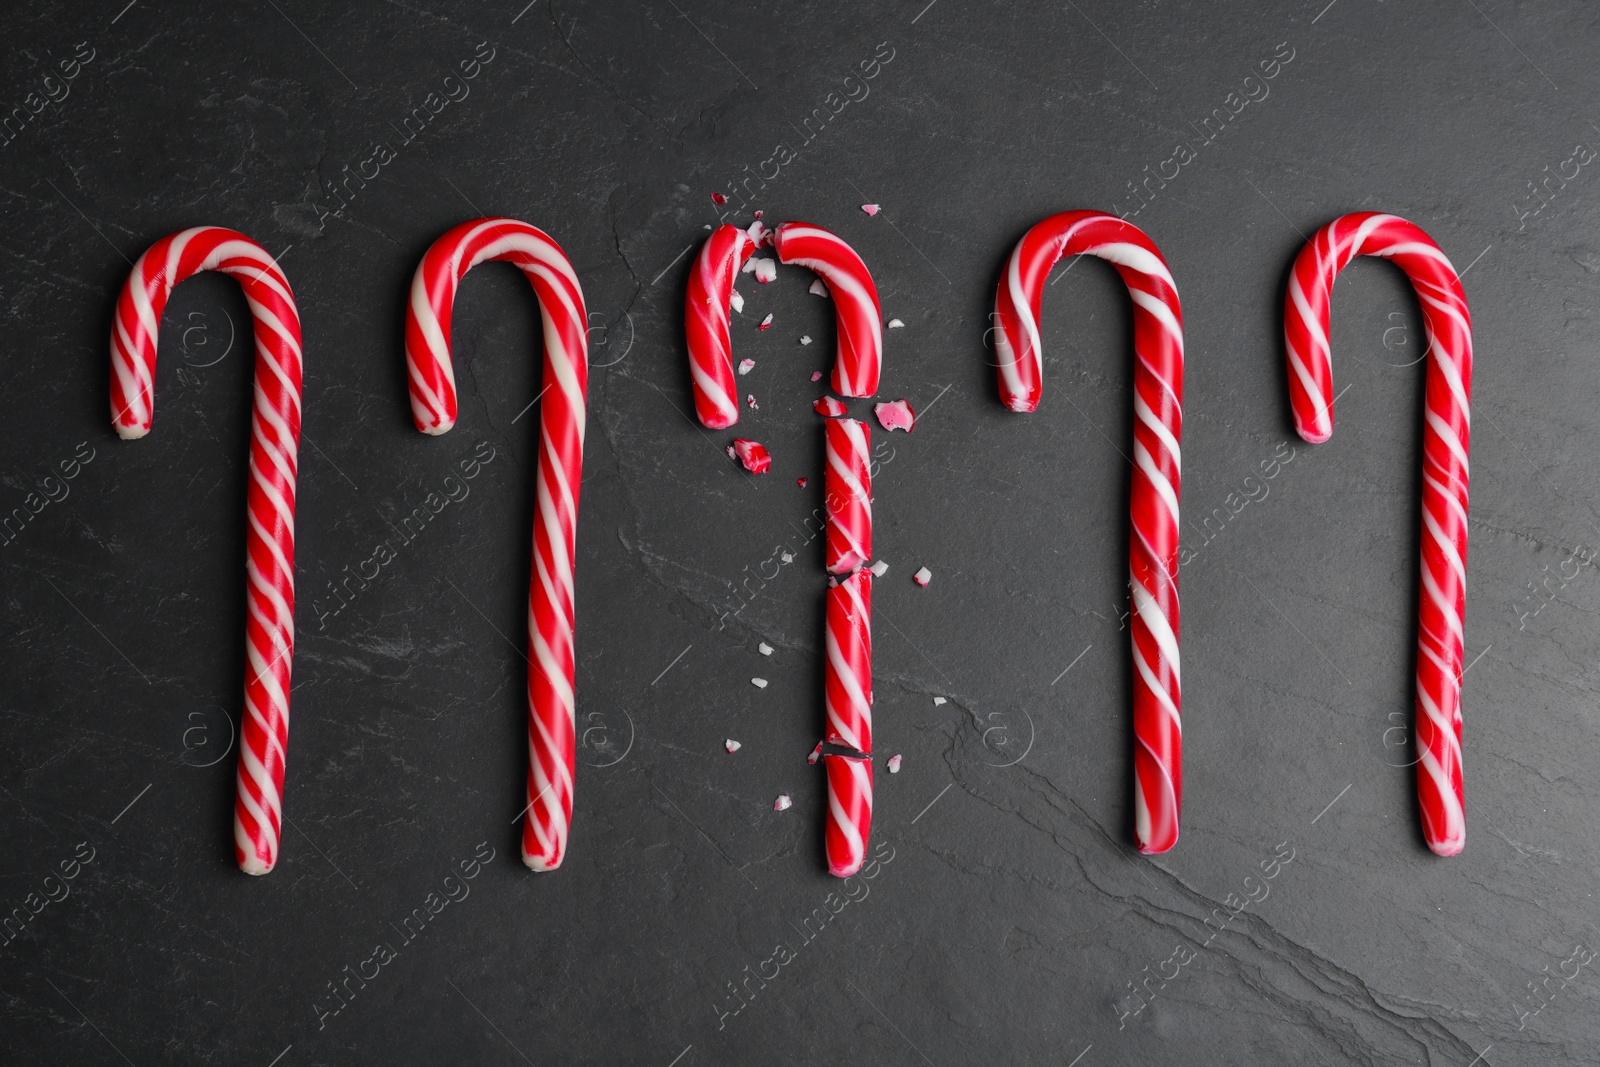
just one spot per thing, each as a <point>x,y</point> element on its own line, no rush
<point>847,495</point>
<point>849,812</point>
<point>560,475</point>
<point>847,687</point>
<point>1156,486</point>
<point>269,501</point>
<point>1446,440</point>
<point>705,324</point>
<point>855,299</point>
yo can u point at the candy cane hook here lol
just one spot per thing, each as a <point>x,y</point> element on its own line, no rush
<point>269,502</point>
<point>1446,441</point>
<point>1157,479</point>
<point>551,708</point>
<point>847,664</point>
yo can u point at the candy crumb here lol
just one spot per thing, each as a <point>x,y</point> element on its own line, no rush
<point>816,376</point>
<point>870,209</point>
<point>788,557</point>
<point>732,746</point>
<point>758,214</point>
<point>764,648</point>
<point>736,301</point>
<point>759,233</point>
<point>805,339</point>
<point>747,365</point>
<point>759,683</point>
<point>818,288</point>
<point>766,269</point>
<point>816,754</point>
<point>894,761</point>
<point>896,324</point>
<point>766,323</point>
<point>937,701</point>
<point>718,199</point>
<point>753,454</point>
<point>896,415</point>
<point>801,482</point>
<point>751,400</point>
<point>879,569</point>
<point>783,803</point>
<point>923,576</point>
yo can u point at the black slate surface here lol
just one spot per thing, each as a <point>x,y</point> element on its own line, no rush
<point>1008,919</point>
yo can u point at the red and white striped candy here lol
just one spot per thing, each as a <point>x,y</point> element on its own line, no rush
<point>1157,480</point>
<point>847,679</point>
<point>705,323</point>
<point>849,812</point>
<point>855,302</point>
<point>847,494</point>
<point>1446,441</point>
<point>269,501</point>
<point>551,709</point>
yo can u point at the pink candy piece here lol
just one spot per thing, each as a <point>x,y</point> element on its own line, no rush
<point>718,199</point>
<point>816,376</point>
<point>816,754</point>
<point>766,270</point>
<point>894,764</point>
<point>732,746</point>
<point>922,577</point>
<point>801,482</point>
<point>870,209</point>
<point>753,454</point>
<point>746,366</point>
<point>705,324</point>
<point>783,803</point>
<point>751,400</point>
<point>829,406</point>
<point>896,415</point>
<point>766,323</point>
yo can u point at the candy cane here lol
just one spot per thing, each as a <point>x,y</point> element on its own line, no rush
<point>269,502</point>
<point>705,321</point>
<point>551,708</point>
<point>1446,440</point>
<point>1157,482</point>
<point>847,668</point>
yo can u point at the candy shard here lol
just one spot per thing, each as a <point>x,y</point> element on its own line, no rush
<point>818,288</point>
<point>870,209</point>
<point>816,754</point>
<point>805,339</point>
<point>766,270</point>
<point>923,576</point>
<point>894,764</point>
<point>783,803</point>
<point>879,569</point>
<point>759,683</point>
<point>736,301</point>
<point>759,233</point>
<point>816,376</point>
<point>829,406</point>
<point>896,324</point>
<point>764,648</point>
<point>732,746</point>
<point>746,366</point>
<point>751,400</point>
<point>801,482</point>
<point>753,454</point>
<point>766,323</point>
<point>938,701</point>
<point>718,199</point>
<point>896,415</point>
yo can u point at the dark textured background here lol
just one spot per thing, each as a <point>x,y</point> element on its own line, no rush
<point>1009,919</point>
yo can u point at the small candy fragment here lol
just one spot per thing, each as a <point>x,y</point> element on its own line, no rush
<point>759,233</point>
<point>732,746</point>
<point>818,288</point>
<point>894,761</point>
<point>879,569</point>
<point>764,648</point>
<point>759,683</point>
<point>753,454</point>
<point>870,209</point>
<point>801,482</point>
<point>758,214</point>
<point>766,323</point>
<point>816,754</point>
<point>805,339</point>
<point>751,400</point>
<point>766,269</point>
<point>750,265</point>
<point>816,376</point>
<point>788,557</point>
<point>896,415</point>
<point>718,199</point>
<point>736,301</point>
<point>896,324</point>
<point>746,366</point>
<point>938,701</point>
<point>783,803</point>
<point>923,576</point>
<point>829,406</point>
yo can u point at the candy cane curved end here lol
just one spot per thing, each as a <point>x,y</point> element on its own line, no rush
<point>562,417</point>
<point>1446,443</point>
<point>859,360</point>
<point>1157,473</point>
<point>269,500</point>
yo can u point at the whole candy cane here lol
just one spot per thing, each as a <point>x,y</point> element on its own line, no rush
<point>1446,442</point>
<point>269,501</point>
<point>1157,479</point>
<point>705,322</point>
<point>551,708</point>
<point>855,302</point>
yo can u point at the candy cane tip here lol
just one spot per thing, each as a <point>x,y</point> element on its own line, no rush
<point>1021,404</point>
<point>131,433</point>
<point>1311,434</point>
<point>719,421</point>
<point>1448,848</point>
<point>845,870</point>
<point>255,866</point>
<point>441,428</point>
<point>539,864</point>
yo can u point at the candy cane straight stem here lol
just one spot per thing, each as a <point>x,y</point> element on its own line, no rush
<point>551,708</point>
<point>1446,442</point>
<point>1157,480</point>
<point>705,324</point>
<point>269,500</point>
